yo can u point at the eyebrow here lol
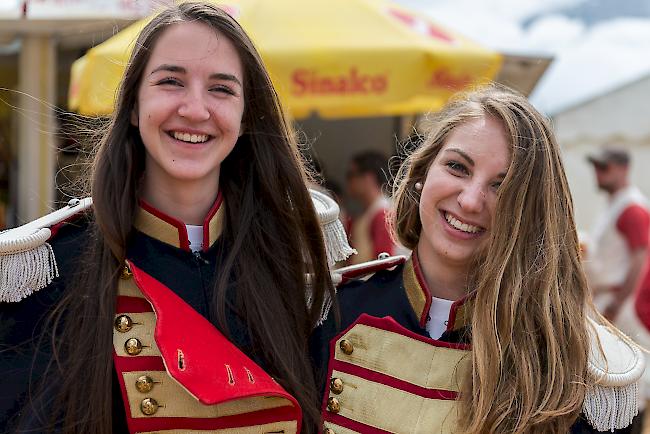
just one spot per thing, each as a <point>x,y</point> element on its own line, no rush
<point>462,154</point>
<point>181,70</point>
<point>469,159</point>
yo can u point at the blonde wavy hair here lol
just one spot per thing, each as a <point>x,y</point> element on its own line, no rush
<point>529,334</point>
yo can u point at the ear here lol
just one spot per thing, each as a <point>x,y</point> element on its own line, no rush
<point>242,129</point>
<point>134,116</point>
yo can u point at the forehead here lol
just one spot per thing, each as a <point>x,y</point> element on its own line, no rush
<point>197,45</point>
<point>484,139</point>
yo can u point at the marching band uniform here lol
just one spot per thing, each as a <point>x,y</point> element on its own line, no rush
<point>381,371</point>
<point>174,370</point>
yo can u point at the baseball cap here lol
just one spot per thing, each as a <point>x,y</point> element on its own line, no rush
<point>610,155</point>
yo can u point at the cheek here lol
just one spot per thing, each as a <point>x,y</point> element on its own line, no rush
<point>428,205</point>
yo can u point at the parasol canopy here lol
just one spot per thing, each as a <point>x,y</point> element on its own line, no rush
<point>336,58</point>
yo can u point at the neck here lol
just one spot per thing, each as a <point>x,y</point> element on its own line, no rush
<point>445,279</point>
<point>371,197</point>
<point>618,188</point>
<point>188,202</point>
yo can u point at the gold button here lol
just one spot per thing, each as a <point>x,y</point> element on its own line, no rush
<point>144,384</point>
<point>333,405</point>
<point>133,347</point>
<point>149,406</point>
<point>346,346</point>
<point>126,272</point>
<point>328,431</point>
<point>336,386</point>
<point>123,323</point>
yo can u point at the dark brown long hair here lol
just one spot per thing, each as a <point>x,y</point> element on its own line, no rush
<point>271,228</point>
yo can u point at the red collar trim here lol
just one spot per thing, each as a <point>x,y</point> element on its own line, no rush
<point>155,223</point>
<point>460,315</point>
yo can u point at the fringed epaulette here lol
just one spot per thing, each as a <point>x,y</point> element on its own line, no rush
<point>615,366</point>
<point>335,238</point>
<point>27,262</point>
<point>336,241</point>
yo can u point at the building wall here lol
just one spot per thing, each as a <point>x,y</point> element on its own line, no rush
<point>621,118</point>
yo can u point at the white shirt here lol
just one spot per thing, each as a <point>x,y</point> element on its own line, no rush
<point>438,316</point>
<point>195,237</point>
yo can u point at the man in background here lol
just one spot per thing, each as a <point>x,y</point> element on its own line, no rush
<point>617,254</point>
<point>366,177</point>
<point>618,247</point>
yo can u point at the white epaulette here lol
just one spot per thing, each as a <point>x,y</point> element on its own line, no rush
<point>336,240</point>
<point>615,367</point>
<point>27,262</point>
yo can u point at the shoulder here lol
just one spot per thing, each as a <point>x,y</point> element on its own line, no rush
<point>31,255</point>
<point>614,370</point>
<point>372,287</point>
<point>634,214</point>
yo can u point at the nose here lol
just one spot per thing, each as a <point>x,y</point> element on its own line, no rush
<point>472,198</point>
<point>193,106</point>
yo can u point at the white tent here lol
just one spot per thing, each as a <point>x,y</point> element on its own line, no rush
<point>616,117</point>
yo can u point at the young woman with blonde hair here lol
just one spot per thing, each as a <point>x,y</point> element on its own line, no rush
<point>488,327</point>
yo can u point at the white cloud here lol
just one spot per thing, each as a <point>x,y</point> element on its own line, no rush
<point>552,33</point>
<point>608,55</point>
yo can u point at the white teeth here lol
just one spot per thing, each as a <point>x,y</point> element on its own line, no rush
<point>192,138</point>
<point>457,224</point>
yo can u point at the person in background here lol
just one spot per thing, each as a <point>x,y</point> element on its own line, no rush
<point>616,259</point>
<point>369,234</point>
<point>617,249</point>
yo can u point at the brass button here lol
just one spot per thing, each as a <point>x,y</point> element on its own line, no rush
<point>149,406</point>
<point>333,405</point>
<point>123,323</point>
<point>126,272</point>
<point>328,431</point>
<point>144,384</point>
<point>346,346</point>
<point>133,347</point>
<point>336,386</point>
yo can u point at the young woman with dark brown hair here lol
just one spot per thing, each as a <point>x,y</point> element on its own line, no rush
<point>201,229</point>
<point>488,327</point>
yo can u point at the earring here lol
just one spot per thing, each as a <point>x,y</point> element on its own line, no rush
<point>418,186</point>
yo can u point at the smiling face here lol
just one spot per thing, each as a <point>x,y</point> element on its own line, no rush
<point>189,105</point>
<point>459,195</point>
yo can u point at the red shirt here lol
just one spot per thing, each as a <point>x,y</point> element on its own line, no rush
<point>634,226</point>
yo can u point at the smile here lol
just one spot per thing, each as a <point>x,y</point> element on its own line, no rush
<point>190,138</point>
<point>462,226</point>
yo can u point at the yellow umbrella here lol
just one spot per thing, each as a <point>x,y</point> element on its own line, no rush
<point>337,58</point>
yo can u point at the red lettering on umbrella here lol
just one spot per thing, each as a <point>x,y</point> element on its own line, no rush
<point>445,79</point>
<point>353,82</point>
